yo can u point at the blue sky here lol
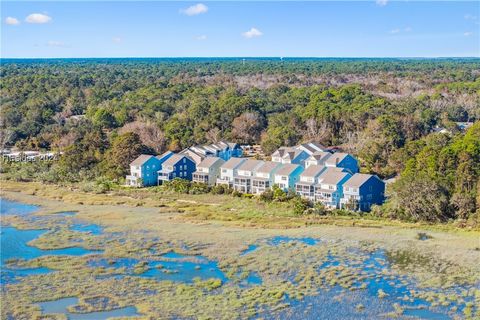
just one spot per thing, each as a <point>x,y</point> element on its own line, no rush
<point>379,28</point>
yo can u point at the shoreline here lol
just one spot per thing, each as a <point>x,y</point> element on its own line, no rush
<point>457,246</point>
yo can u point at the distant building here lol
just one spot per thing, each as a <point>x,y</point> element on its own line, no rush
<point>208,171</point>
<point>287,176</point>
<point>361,191</point>
<point>242,181</point>
<point>308,179</point>
<point>144,170</point>
<point>176,166</point>
<point>222,149</point>
<point>290,155</point>
<point>264,176</point>
<point>329,189</point>
<point>228,171</point>
<point>343,160</point>
<point>318,158</point>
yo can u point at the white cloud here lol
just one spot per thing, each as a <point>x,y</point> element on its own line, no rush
<point>381,2</point>
<point>408,29</point>
<point>57,44</point>
<point>38,18</point>
<point>117,39</point>
<point>394,31</point>
<point>252,33</point>
<point>467,34</point>
<point>201,37</point>
<point>199,8</point>
<point>12,21</point>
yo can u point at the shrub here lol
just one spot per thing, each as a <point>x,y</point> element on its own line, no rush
<point>199,188</point>
<point>300,205</point>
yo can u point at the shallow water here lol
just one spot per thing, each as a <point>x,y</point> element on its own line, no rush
<point>176,267</point>
<point>61,305</point>
<point>333,303</point>
<point>282,239</point>
<point>14,244</point>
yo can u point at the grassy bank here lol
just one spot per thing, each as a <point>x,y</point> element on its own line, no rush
<point>212,208</point>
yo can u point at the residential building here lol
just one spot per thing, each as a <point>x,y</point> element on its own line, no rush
<point>177,166</point>
<point>242,181</point>
<point>264,176</point>
<point>144,170</point>
<point>343,160</point>
<point>290,155</point>
<point>312,147</point>
<point>307,181</point>
<point>208,171</point>
<point>196,156</point>
<point>228,170</point>
<point>287,176</point>
<point>224,150</point>
<point>361,191</point>
<point>329,189</point>
<point>318,158</point>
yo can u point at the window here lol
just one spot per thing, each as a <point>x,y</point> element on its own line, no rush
<point>148,167</point>
<point>184,160</point>
<point>153,166</point>
<point>284,178</point>
<point>174,168</point>
<point>224,170</point>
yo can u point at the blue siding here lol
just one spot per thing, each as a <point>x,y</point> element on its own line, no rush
<point>228,153</point>
<point>371,192</point>
<point>183,169</point>
<point>149,171</point>
<point>294,177</point>
<point>349,163</point>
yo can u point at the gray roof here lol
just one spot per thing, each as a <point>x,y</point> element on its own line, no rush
<point>280,152</point>
<point>287,169</point>
<point>174,159</point>
<point>319,155</point>
<point>358,179</point>
<point>268,167</point>
<point>250,165</point>
<point>233,162</point>
<point>337,155</point>
<point>209,161</point>
<point>141,159</point>
<point>313,171</point>
<point>332,177</point>
<point>160,157</point>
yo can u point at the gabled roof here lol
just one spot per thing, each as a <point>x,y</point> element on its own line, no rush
<point>336,158</point>
<point>319,155</point>
<point>358,179</point>
<point>174,159</point>
<point>163,155</point>
<point>268,167</point>
<point>250,165</point>
<point>233,163</point>
<point>209,161</point>
<point>313,171</point>
<point>311,147</point>
<point>292,154</point>
<point>287,169</point>
<point>280,152</point>
<point>141,159</point>
<point>332,177</point>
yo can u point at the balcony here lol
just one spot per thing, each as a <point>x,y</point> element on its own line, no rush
<point>200,177</point>
<point>259,185</point>
<point>165,176</point>
<point>224,180</point>
<point>133,181</point>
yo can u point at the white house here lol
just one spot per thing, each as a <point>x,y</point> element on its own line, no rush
<point>264,176</point>
<point>208,171</point>
<point>318,158</point>
<point>242,181</point>
<point>228,170</point>
<point>287,176</point>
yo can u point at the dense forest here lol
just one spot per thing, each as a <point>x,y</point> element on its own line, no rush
<point>101,113</point>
